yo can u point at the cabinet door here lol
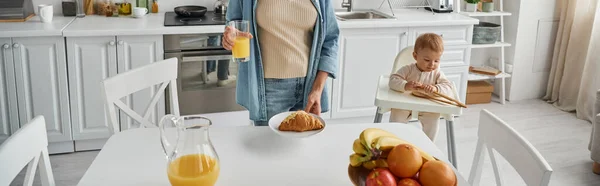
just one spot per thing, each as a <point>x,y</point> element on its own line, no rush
<point>91,60</point>
<point>364,56</point>
<point>459,76</point>
<point>134,52</point>
<point>9,119</point>
<point>41,78</point>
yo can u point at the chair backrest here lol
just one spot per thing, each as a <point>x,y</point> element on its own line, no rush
<point>161,72</point>
<point>495,135</point>
<point>28,146</point>
<point>404,57</point>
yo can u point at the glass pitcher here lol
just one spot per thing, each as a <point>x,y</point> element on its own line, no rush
<point>192,159</point>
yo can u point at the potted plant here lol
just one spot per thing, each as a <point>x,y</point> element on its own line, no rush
<point>472,5</point>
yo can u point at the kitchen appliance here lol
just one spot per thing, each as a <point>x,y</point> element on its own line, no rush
<point>201,58</point>
<point>190,11</point>
<point>221,7</point>
<point>441,6</point>
<point>16,10</point>
<point>210,18</point>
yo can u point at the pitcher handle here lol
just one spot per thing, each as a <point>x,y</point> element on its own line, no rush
<point>173,121</point>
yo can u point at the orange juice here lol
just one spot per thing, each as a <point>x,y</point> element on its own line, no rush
<point>193,170</point>
<point>241,47</point>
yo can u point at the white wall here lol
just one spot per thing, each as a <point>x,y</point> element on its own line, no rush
<point>531,30</point>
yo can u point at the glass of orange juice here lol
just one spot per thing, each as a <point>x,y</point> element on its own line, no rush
<point>241,44</point>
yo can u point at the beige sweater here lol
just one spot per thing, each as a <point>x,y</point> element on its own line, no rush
<point>412,73</point>
<point>285,34</point>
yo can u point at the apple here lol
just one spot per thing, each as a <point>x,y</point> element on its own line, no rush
<point>408,182</point>
<point>381,177</point>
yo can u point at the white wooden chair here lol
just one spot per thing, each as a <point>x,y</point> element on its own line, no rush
<point>386,99</point>
<point>28,146</point>
<point>495,134</point>
<point>161,72</point>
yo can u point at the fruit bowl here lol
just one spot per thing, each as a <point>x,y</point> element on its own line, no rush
<point>358,175</point>
<point>276,120</point>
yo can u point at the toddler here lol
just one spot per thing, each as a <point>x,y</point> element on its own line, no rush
<point>425,75</point>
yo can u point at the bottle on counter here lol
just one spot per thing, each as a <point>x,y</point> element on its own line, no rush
<point>155,6</point>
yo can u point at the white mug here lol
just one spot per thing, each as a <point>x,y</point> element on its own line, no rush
<point>139,11</point>
<point>45,11</point>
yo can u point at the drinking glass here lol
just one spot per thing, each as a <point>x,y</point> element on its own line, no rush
<point>241,46</point>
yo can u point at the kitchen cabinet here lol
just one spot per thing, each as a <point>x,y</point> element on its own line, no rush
<point>9,119</point>
<point>364,56</point>
<point>93,59</point>
<point>134,52</point>
<point>41,79</point>
<point>35,83</point>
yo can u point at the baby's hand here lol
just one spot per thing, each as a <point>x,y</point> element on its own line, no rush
<point>412,85</point>
<point>430,88</point>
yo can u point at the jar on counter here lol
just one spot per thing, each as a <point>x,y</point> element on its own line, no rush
<point>125,8</point>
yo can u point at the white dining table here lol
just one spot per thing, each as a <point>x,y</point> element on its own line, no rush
<point>248,156</point>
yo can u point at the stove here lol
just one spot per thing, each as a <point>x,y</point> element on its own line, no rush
<point>210,18</point>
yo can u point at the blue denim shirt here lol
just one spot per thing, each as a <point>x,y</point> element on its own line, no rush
<point>250,91</point>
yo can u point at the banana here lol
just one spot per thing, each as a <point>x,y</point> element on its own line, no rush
<point>357,159</point>
<point>368,135</point>
<point>359,148</point>
<point>370,164</point>
<point>386,144</point>
<point>381,163</point>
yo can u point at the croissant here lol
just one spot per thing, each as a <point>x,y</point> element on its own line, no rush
<point>300,121</point>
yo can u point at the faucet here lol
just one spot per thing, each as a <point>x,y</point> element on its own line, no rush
<point>347,5</point>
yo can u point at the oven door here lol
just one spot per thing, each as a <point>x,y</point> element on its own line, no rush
<point>206,82</point>
<point>188,42</point>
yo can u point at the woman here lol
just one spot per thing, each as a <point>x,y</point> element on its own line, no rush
<point>294,49</point>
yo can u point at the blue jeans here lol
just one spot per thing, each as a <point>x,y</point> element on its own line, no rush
<point>282,95</point>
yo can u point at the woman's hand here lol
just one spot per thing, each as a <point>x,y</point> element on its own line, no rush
<point>313,104</point>
<point>229,37</point>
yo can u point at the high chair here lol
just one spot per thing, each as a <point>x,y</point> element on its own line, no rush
<point>386,99</point>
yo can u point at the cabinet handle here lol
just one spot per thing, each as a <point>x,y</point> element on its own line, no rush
<point>16,45</point>
<point>112,43</point>
<point>5,46</point>
<point>120,42</point>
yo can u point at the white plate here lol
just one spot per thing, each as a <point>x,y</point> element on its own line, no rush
<point>276,120</point>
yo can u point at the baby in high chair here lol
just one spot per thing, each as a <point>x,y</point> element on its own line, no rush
<point>423,75</point>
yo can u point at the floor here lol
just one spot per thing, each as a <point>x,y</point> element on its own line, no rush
<point>559,136</point>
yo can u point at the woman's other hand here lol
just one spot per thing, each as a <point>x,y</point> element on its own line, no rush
<point>229,37</point>
<point>313,104</point>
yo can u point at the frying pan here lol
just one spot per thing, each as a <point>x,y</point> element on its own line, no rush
<point>190,11</point>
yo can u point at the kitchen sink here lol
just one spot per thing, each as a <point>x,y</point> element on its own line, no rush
<point>362,15</point>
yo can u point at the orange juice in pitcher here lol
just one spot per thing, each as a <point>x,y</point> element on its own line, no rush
<point>192,160</point>
<point>185,170</point>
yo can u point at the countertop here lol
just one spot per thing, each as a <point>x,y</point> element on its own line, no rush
<point>34,27</point>
<point>153,24</point>
<point>411,18</point>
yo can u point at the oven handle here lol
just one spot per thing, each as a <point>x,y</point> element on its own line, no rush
<point>205,58</point>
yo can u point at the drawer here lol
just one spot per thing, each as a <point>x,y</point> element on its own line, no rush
<point>455,56</point>
<point>453,35</point>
